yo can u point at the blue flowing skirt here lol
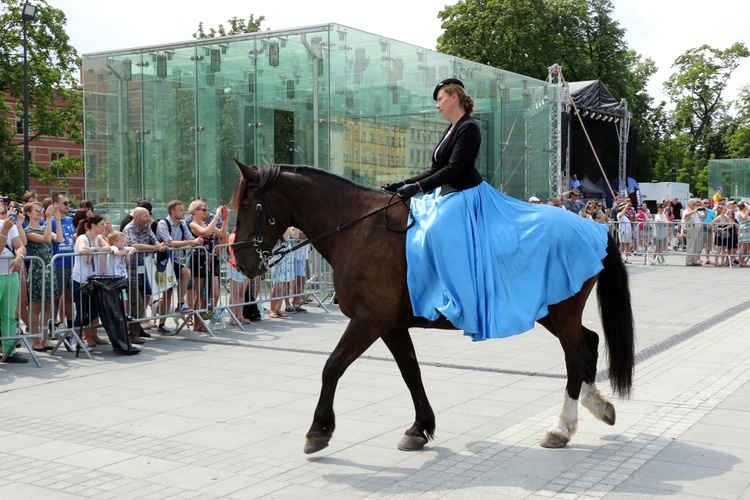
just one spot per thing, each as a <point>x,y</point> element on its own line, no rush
<point>492,264</point>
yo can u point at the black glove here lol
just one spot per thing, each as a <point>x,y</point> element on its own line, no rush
<point>392,187</point>
<point>407,191</point>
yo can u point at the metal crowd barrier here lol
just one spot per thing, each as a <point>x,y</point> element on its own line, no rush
<point>9,315</point>
<point>150,280</point>
<point>654,240</point>
<point>209,304</point>
<point>261,288</point>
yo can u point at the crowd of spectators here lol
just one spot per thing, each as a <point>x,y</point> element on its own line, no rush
<point>711,231</point>
<point>44,228</point>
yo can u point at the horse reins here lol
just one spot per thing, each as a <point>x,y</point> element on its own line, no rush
<point>267,253</point>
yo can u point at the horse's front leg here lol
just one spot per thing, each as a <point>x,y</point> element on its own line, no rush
<point>357,338</point>
<point>400,344</point>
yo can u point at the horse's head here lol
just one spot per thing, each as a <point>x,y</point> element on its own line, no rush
<point>262,218</point>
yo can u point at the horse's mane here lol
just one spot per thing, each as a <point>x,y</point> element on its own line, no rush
<point>269,173</point>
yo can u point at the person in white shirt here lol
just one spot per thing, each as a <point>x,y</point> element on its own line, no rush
<point>11,261</point>
<point>89,241</point>
<point>117,263</point>
<point>625,229</point>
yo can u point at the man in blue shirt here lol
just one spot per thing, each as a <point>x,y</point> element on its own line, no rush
<point>64,265</point>
<point>574,182</point>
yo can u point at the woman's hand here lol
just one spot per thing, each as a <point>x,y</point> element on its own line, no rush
<point>392,187</point>
<point>7,224</point>
<point>408,190</point>
<point>16,264</point>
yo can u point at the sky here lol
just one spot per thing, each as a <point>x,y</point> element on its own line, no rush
<point>659,29</point>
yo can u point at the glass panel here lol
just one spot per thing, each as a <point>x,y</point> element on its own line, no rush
<point>166,122</point>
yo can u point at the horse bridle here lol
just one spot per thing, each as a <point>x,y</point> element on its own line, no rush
<point>265,252</point>
<point>270,257</point>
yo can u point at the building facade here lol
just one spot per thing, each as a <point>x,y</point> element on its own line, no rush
<point>43,150</point>
<point>164,122</point>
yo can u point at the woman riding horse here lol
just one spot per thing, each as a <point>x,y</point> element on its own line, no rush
<point>473,250</point>
<point>477,260</point>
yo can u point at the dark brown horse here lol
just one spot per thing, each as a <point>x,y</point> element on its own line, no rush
<point>369,263</point>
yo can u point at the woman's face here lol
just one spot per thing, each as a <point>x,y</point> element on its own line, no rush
<point>98,228</point>
<point>446,103</point>
<point>36,212</point>
<point>200,213</point>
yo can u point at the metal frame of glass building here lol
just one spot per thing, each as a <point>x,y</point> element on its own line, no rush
<point>732,175</point>
<point>164,122</point>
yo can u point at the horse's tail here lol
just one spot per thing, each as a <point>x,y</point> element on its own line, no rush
<point>617,319</point>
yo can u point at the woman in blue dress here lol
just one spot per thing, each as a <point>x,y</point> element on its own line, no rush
<point>487,262</point>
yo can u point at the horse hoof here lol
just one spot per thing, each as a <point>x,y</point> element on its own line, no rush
<point>315,444</point>
<point>609,414</point>
<point>412,443</point>
<point>554,441</point>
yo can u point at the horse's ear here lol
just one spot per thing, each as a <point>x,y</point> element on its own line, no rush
<point>249,173</point>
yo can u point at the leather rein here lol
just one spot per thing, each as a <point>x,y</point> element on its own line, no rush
<point>270,257</point>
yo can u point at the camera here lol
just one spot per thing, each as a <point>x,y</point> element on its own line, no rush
<point>6,199</point>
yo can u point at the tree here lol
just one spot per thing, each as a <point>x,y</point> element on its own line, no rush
<point>699,122</point>
<point>738,139</point>
<point>697,87</point>
<point>55,106</point>
<point>527,36</point>
<point>57,172</point>
<point>236,26</point>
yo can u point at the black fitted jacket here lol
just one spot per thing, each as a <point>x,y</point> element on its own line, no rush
<point>454,165</point>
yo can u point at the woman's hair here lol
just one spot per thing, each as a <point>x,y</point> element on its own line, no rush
<point>28,207</point>
<point>464,99</point>
<point>85,224</point>
<point>79,215</point>
<point>27,196</point>
<point>195,204</point>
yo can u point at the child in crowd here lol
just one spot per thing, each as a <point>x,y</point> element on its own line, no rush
<point>117,264</point>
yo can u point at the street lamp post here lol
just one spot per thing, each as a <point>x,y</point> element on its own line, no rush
<point>28,14</point>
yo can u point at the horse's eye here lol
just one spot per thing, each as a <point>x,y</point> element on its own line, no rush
<point>246,207</point>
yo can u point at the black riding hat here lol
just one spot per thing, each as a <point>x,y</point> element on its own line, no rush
<point>445,82</point>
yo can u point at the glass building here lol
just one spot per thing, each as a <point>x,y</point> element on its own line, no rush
<point>164,122</point>
<point>732,175</point>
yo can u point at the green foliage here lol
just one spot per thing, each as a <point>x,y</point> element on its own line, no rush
<point>55,106</point>
<point>236,26</point>
<point>697,87</point>
<point>700,122</point>
<point>738,138</point>
<point>527,36</point>
<point>56,173</point>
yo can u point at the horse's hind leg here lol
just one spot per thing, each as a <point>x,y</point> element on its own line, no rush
<point>564,322</point>
<point>357,338</point>
<point>400,344</point>
<point>566,425</point>
<point>591,398</point>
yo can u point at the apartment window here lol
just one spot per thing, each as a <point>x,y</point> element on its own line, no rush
<point>19,124</point>
<point>56,156</point>
<point>91,166</point>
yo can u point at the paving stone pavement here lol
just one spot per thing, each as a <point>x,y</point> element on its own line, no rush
<point>225,417</point>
